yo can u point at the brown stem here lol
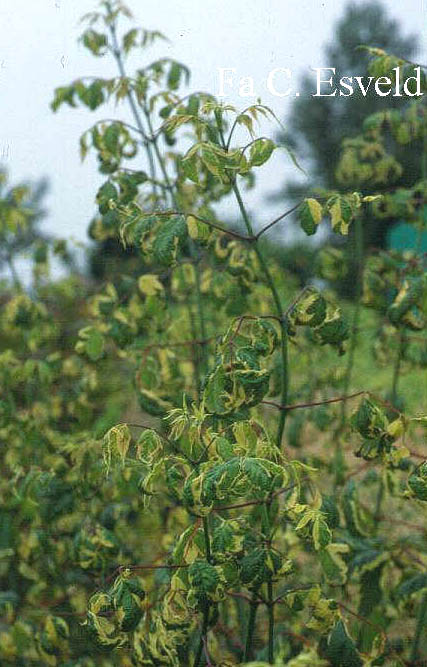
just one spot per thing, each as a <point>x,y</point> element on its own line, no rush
<point>314,403</point>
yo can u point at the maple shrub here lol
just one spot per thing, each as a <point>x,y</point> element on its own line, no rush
<point>196,471</point>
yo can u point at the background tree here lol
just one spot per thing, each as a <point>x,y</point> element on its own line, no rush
<point>315,131</point>
<point>21,212</point>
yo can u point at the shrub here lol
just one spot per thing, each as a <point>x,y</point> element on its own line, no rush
<point>219,519</point>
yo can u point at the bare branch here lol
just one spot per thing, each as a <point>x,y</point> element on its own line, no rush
<point>214,225</point>
<point>276,220</point>
<point>314,403</point>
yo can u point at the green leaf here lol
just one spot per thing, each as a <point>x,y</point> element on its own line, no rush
<point>151,403</point>
<point>333,564</point>
<point>369,420</point>
<point>111,137</point>
<point>63,95</point>
<point>408,297</point>
<point>214,393</point>
<point>116,443</point>
<point>174,76</point>
<point>190,167</point>
<point>204,579</point>
<point>340,648</point>
<point>253,567</point>
<point>93,95</point>
<point>258,566</point>
<point>371,592</point>
<point>95,345</point>
<point>410,586</point>
<point>359,522</point>
<point>334,330</point>
<point>227,539</point>
<point>330,511</point>
<point>417,482</point>
<point>310,214</point>
<point>150,285</point>
<point>322,535</point>
<point>91,343</point>
<point>149,447</point>
<point>95,41</point>
<point>169,239</point>
<point>310,311</point>
<point>129,39</point>
<point>341,212</point>
<point>261,151</point>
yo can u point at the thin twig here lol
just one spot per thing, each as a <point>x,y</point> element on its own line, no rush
<point>205,221</point>
<point>276,220</point>
<point>313,403</point>
<point>254,502</point>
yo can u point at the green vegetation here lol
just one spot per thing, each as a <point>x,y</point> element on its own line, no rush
<point>204,462</point>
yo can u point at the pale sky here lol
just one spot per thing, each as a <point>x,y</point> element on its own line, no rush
<point>39,51</point>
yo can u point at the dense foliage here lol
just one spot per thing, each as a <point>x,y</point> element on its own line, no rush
<point>183,481</point>
<point>316,131</point>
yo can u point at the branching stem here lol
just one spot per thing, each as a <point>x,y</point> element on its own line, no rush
<point>203,635</point>
<point>356,312</point>
<point>421,621</point>
<point>247,656</point>
<point>132,103</point>
<point>205,522</point>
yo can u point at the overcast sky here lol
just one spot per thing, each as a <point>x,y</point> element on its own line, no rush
<point>39,51</point>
